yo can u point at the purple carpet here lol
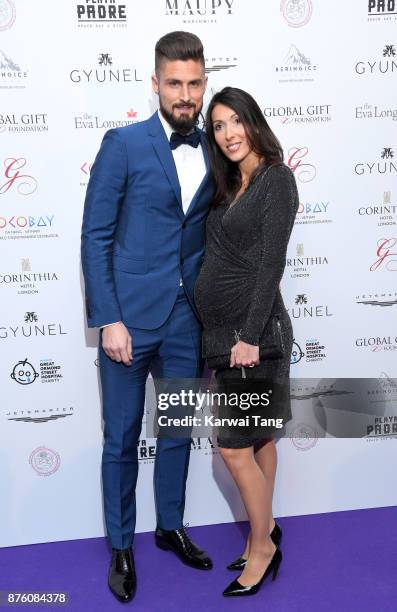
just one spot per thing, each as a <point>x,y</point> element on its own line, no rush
<point>337,561</point>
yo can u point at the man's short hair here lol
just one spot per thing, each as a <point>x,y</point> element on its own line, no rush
<point>178,46</point>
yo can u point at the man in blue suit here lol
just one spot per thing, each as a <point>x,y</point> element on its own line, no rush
<point>142,246</point>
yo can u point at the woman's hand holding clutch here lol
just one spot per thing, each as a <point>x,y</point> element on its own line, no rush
<point>244,354</point>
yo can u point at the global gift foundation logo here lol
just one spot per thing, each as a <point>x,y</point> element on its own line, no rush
<point>14,178</point>
<point>386,255</point>
<point>384,64</point>
<point>44,461</point>
<point>299,162</point>
<point>7,14</point>
<point>24,122</point>
<point>300,115</point>
<point>109,14</point>
<point>376,344</point>
<point>297,13</point>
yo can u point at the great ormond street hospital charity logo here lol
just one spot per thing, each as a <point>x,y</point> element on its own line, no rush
<point>24,373</point>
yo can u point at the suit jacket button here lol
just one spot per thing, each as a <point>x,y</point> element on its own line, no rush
<point>184,225</point>
<point>182,260</point>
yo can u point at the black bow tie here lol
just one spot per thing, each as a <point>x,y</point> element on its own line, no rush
<point>191,139</point>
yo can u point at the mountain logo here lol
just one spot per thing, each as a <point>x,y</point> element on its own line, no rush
<point>295,57</point>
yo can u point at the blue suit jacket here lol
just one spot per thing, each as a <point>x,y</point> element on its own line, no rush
<point>136,240</point>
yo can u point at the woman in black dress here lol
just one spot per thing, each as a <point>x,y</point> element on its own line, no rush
<point>248,230</point>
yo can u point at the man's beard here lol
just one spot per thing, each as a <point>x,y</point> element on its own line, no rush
<point>183,124</point>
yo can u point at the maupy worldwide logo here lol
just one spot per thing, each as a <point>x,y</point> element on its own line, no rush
<point>88,121</point>
<point>219,64</point>
<point>299,161</point>
<point>383,64</point>
<point>300,115</point>
<point>313,213</point>
<point>12,74</point>
<point>107,70</point>
<point>369,111</point>
<point>302,265</point>
<point>382,10</point>
<point>25,372</point>
<point>44,461</point>
<point>303,308</point>
<point>27,281</point>
<point>15,177</point>
<point>385,164</point>
<point>296,66</point>
<point>23,122</point>
<point>296,13</point>
<point>382,299</point>
<point>199,11</point>
<point>25,226</point>
<point>108,14</point>
<point>31,326</point>
<point>376,344</point>
<point>7,14</point>
<point>386,255</point>
<point>383,213</point>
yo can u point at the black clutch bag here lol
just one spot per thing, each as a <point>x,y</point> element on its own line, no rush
<point>217,344</point>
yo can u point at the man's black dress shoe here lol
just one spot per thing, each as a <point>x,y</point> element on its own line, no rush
<point>237,589</point>
<point>122,577</point>
<point>240,563</point>
<point>179,542</point>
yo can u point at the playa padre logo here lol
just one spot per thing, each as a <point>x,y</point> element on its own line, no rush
<point>7,14</point>
<point>199,11</point>
<point>297,13</point>
<point>386,63</point>
<point>384,213</point>
<point>296,66</point>
<point>44,461</point>
<point>386,165</point>
<point>108,14</point>
<point>382,10</point>
<point>108,72</point>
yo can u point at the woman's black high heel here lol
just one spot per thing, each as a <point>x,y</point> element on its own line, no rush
<point>275,536</point>
<point>237,589</point>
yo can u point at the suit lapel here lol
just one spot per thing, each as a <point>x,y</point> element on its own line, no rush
<point>163,152</point>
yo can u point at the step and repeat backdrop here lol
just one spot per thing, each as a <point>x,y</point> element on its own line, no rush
<point>325,76</point>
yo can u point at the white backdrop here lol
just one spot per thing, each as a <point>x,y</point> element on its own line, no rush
<point>324,74</point>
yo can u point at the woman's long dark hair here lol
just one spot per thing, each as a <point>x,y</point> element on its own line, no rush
<point>261,138</point>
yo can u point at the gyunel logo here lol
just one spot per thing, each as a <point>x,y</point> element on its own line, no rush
<point>386,166</point>
<point>379,66</point>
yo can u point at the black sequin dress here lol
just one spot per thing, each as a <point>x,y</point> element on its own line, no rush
<point>238,285</point>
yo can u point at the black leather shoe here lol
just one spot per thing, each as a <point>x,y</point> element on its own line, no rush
<point>236,589</point>
<point>240,563</point>
<point>122,577</point>
<point>179,542</point>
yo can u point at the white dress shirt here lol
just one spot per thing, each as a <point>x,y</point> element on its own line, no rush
<point>190,167</point>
